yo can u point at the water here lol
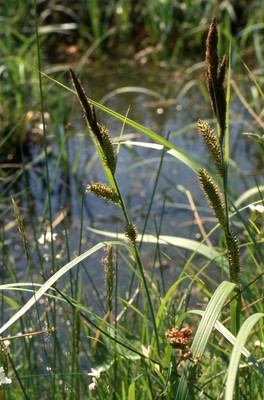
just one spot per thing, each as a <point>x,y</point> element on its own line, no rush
<point>171,110</point>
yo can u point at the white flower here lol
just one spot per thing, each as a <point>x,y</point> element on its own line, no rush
<point>4,380</point>
<point>93,385</point>
<point>258,343</point>
<point>259,209</point>
<point>95,372</point>
<point>48,237</point>
<point>6,344</point>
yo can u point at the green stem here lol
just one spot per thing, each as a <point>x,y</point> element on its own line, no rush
<point>140,265</point>
<point>47,176</point>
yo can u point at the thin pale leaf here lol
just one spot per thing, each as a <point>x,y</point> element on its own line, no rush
<point>54,278</point>
<point>242,337</point>
<point>132,89</point>
<point>249,193</point>
<point>232,339</point>
<point>47,285</point>
<point>192,245</point>
<point>201,337</point>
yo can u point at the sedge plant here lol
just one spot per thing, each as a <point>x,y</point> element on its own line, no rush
<point>217,196</point>
<point>156,356</point>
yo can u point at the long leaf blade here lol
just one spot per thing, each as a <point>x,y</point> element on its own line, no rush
<point>201,338</point>
<point>237,351</point>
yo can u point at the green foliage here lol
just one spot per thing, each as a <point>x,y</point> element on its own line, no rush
<point>169,28</point>
<point>18,81</point>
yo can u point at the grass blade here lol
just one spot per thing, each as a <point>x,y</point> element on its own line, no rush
<point>236,353</point>
<point>185,389</point>
<point>47,285</point>
<point>232,339</point>
<point>188,244</point>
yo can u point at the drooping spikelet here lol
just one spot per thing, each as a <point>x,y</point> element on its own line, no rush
<point>87,107</point>
<point>107,147</point>
<point>211,56</point>
<point>103,191</point>
<point>131,233</point>
<point>109,267</point>
<point>215,75</point>
<point>99,131</point>
<point>4,355</point>
<point>213,195</point>
<point>233,257</point>
<point>211,141</point>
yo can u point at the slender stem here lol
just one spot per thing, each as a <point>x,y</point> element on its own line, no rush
<point>225,188</point>
<point>47,174</point>
<point>141,267</point>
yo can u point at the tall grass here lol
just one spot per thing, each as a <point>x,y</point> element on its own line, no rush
<point>167,29</point>
<point>148,31</point>
<point>149,341</point>
<point>170,28</point>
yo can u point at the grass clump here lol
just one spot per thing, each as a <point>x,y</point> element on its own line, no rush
<point>143,341</point>
<point>18,83</point>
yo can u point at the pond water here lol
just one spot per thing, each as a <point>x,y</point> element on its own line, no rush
<point>169,103</point>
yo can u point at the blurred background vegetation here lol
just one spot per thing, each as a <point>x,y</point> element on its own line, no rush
<point>158,33</point>
<point>161,29</point>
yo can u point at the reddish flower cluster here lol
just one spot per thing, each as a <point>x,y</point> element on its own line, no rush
<point>178,338</point>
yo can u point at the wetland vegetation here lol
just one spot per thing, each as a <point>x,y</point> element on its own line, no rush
<point>132,239</point>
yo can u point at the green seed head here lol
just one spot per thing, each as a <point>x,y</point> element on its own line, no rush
<point>131,233</point>
<point>103,191</point>
<point>233,257</point>
<point>212,143</point>
<point>213,195</point>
